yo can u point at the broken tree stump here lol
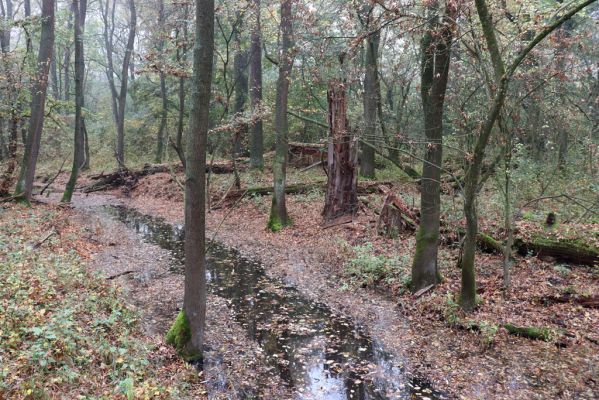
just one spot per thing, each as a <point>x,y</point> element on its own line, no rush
<point>341,197</point>
<point>396,217</point>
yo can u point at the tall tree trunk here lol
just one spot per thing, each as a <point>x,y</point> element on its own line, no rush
<point>119,98</point>
<point>38,104</point>
<point>163,119</point>
<point>86,163</point>
<point>122,100</point>
<point>341,195</point>
<point>194,302</point>
<point>181,54</point>
<point>240,66</point>
<point>434,72</point>
<point>371,99</point>
<point>163,94</point>
<point>79,10</point>
<point>278,213</point>
<point>67,61</point>
<point>257,141</point>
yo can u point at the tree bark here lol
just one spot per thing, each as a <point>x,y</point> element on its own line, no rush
<point>163,95</point>
<point>66,64</point>
<point>256,134</point>
<point>181,55</point>
<point>371,99</point>
<point>80,11</point>
<point>436,54</point>
<point>38,104</point>
<point>341,196</point>
<point>194,302</point>
<point>278,213</point>
<point>240,65</point>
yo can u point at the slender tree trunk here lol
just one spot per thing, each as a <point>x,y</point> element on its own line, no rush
<point>122,99</point>
<point>38,104</point>
<point>341,195</point>
<point>67,60</point>
<point>502,78</point>
<point>163,119</point>
<point>86,163</point>
<point>257,141</point>
<point>181,53</point>
<point>371,100</point>
<point>119,98</point>
<point>79,10</point>
<point>435,50</point>
<point>240,66</point>
<point>194,303</point>
<point>55,81</point>
<point>278,213</point>
<point>163,95</point>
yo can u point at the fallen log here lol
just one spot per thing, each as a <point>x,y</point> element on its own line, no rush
<point>585,301</point>
<point>574,251</point>
<point>302,188</point>
<point>128,178</point>
<point>530,332</point>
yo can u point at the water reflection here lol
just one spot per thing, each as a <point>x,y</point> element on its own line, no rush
<point>317,353</point>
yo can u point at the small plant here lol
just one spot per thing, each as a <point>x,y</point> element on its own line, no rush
<point>367,268</point>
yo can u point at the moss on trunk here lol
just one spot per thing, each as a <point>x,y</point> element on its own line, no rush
<point>179,336</point>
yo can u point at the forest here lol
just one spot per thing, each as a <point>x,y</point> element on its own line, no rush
<point>299,199</point>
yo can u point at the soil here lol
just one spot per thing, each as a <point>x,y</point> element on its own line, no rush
<point>419,331</point>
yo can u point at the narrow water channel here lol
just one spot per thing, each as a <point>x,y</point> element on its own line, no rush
<point>319,354</point>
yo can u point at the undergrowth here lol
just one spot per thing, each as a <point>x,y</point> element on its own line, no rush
<point>63,332</point>
<point>366,268</point>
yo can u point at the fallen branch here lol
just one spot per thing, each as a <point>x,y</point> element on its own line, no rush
<point>51,181</point>
<point>48,236</point>
<point>111,277</point>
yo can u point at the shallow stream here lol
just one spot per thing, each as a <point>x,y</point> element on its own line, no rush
<point>319,354</point>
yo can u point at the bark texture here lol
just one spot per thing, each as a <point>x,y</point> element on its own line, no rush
<point>278,213</point>
<point>341,196</point>
<point>79,10</point>
<point>256,134</point>
<point>435,51</point>
<point>38,104</point>
<point>194,302</point>
<point>372,94</point>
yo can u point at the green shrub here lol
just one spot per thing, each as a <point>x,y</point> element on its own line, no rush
<point>367,268</point>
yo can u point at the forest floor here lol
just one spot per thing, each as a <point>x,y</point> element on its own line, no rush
<point>429,332</point>
<point>66,331</point>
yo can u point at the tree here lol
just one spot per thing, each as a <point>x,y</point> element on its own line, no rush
<point>240,66</point>
<point>472,183</point>
<point>163,95</point>
<point>119,98</point>
<point>188,331</point>
<point>341,195</point>
<point>38,104</point>
<point>372,91</point>
<point>434,74</point>
<point>278,213</point>
<point>79,10</point>
<point>256,135</point>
